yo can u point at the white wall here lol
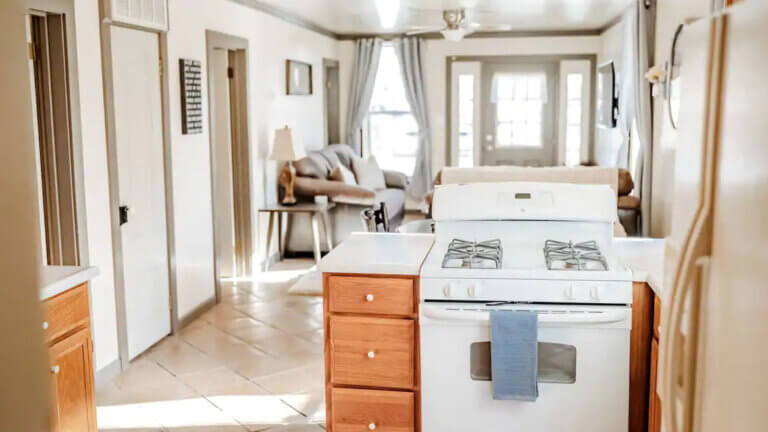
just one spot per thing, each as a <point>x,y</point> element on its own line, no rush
<point>608,141</point>
<point>94,144</point>
<point>438,50</point>
<point>271,41</point>
<point>668,16</point>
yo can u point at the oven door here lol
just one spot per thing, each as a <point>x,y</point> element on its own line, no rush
<point>583,370</point>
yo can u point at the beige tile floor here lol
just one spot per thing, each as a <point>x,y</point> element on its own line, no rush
<point>252,363</point>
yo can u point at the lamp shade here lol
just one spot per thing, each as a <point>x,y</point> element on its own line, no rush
<point>286,148</point>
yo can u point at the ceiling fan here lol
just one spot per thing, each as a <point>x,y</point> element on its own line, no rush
<point>457,26</point>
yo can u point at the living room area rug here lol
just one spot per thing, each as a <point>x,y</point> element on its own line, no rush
<point>309,284</point>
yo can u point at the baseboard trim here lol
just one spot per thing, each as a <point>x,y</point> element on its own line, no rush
<point>197,312</point>
<point>106,374</point>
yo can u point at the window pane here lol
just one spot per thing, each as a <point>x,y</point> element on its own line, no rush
<point>575,83</point>
<point>389,91</point>
<point>504,134</point>
<point>394,139</point>
<point>574,112</point>
<point>466,120</point>
<point>392,130</point>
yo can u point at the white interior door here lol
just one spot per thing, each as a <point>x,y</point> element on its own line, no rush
<point>139,144</point>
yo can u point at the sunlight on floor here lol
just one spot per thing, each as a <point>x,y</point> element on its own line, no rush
<point>262,410</point>
<point>253,362</point>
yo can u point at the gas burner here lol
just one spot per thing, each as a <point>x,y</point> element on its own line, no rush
<point>473,255</point>
<point>574,256</point>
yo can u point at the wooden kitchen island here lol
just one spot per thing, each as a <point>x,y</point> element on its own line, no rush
<point>65,302</point>
<point>371,323</point>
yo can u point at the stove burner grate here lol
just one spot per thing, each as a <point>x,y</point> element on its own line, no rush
<point>574,256</point>
<point>473,255</point>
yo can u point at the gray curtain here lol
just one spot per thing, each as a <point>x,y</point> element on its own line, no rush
<point>409,53</point>
<point>367,55</point>
<point>635,103</point>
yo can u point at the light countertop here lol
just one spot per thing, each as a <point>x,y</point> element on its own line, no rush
<point>56,279</point>
<point>379,253</point>
<point>645,257</point>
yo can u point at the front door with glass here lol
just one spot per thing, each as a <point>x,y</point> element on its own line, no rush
<point>518,103</point>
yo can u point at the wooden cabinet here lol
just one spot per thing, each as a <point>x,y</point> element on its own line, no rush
<point>371,353</point>
<point>654,403</point>
<point>70,352</point>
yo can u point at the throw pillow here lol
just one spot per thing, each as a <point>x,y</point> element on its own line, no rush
<point>343,174</point>
<point>368,173</point>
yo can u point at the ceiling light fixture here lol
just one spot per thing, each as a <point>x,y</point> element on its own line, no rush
<point>388,11</point>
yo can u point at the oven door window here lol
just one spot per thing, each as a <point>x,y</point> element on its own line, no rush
<point>557,362</point>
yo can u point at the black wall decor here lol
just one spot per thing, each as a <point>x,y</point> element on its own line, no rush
<point>191,97</point>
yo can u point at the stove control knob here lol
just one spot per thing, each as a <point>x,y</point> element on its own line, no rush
<point>569,293</point>
<point>594,292</point>
<point>475,290</point>
<point>451,290</point>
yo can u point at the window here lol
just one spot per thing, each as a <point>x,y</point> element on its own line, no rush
<point>520,100</point>
<point>466,120</point>
<point>393,134</point>
<point>574,120</point>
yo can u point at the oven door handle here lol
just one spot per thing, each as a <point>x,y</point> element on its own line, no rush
<point>599,317</point>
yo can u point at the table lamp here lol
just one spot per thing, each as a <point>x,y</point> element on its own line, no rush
<point>288,150</point>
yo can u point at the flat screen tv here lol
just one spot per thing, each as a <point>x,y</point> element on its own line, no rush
<point>607,99</point>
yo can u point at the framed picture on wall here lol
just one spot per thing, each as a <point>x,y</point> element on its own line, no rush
<point>298,77</point>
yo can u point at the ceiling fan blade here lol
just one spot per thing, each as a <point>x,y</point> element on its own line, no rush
<point>423,31</point>
<point>489,27</point>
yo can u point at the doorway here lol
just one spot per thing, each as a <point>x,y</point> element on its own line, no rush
<point>520,110</point>
<point>332,107</point>
<point>230,157</point>
<point>134,89</point>
<point>58,147</point>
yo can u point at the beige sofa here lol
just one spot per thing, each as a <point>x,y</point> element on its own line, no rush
<point>619,180</point>
<point>312,180</point>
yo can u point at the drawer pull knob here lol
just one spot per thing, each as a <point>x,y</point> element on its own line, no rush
<point>369,298</point>
<point>45,325</point>
<point>55,369</point>
<point>372,426</point>
<point>371,354</point>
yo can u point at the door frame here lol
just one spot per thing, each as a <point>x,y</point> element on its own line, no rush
<point>326,64</point>
<point>501,59</point>
<point>114,190</point>
<point>217,40</point>
<point>67,8</point>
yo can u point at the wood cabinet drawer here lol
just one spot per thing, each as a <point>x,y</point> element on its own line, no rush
<point>357,410</point>
<point>657,317</point>
<point>377,352</point>
<point>66,313</point>
<point>369,295</point>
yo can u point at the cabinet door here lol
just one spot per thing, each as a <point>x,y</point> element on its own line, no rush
<point>654,411</point>
<point>72,373</point>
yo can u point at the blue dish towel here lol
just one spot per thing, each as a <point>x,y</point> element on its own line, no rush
<point>514,355</point>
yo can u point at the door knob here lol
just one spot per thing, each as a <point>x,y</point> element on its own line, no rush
<point>371,354</point>
<point>55,369</point>
<point>372,426</point>
<point>369,298</point>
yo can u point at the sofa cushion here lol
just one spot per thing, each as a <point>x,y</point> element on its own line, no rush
<point>625,182</point>
<point>368,173</point>
<point>343,174</point>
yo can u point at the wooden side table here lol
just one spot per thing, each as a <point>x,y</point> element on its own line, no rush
<point>319,215</point>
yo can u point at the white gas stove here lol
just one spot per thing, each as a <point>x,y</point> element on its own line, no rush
<point>525,246</point>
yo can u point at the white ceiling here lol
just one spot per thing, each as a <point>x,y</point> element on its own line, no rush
<point>359,16</point>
